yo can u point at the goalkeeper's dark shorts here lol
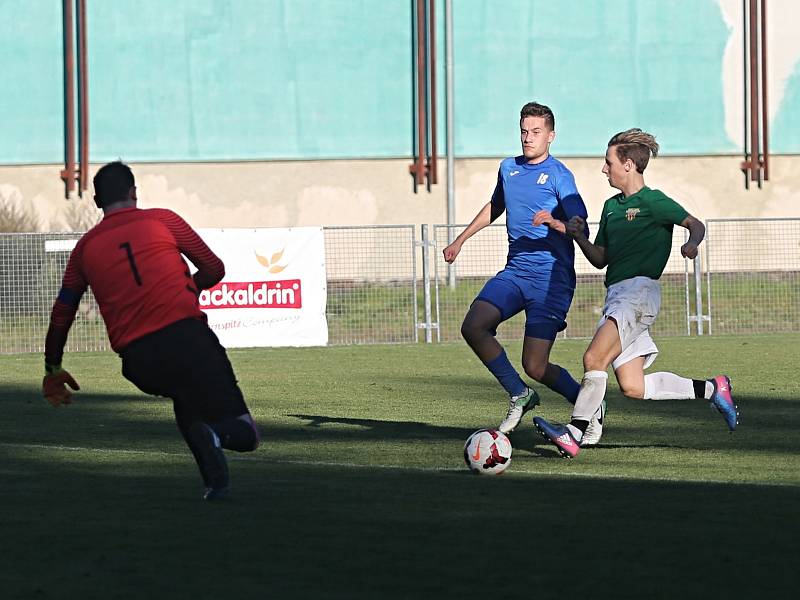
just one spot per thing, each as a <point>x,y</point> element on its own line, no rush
<point>185,361</point>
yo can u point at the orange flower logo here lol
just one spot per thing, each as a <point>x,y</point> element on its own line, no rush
<point>271,263</point>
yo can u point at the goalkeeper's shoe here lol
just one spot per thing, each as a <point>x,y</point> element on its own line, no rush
<point>559,436</point>
<point>722,400</point>
<point>211,460</point>
<point>594,431</point>
<point>517,407</point>
<point>211,494</point>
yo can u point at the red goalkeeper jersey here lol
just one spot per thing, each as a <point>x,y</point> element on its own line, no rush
<point>132,261</point>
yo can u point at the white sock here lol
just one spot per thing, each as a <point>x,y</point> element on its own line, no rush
<point>709,390</point>
<point>590,396</point>
<point>668,386</point>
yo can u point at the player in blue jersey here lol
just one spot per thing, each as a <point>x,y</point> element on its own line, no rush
<point>538,194</point>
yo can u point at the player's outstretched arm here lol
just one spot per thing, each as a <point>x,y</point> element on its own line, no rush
<point>485,217</point>
<point>596,255</point>
<point>697,231</point>
<point>73,286</point>
<point>56,379</point>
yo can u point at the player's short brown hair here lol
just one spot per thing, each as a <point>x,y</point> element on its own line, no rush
<point>112,183</point>
<point>534,109</point>
<point>635,144</point>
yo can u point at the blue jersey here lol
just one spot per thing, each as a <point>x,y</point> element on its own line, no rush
<point>523,190</point>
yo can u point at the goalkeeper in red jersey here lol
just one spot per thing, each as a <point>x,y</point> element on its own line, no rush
<point>149,302</point>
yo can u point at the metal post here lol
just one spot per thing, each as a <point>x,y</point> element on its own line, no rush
<point>451,166</point>
<point>415,309</point>
<point>698,294</point>
<point>426,284</point>
<point>68,173</point>
<point>430,66</point>
<point>418,167</point>
<point>83,100</point>
<point>708,277</point>
<point>436,285</point>
<point>764,85</point>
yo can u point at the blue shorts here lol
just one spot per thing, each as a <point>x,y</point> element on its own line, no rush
<point>545,302</point>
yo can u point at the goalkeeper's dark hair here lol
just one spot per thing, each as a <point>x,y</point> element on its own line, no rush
<point>635,144</point>
<point>112,183</point>
<point>534,109</point>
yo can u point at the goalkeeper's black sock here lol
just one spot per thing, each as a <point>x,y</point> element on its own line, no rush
<point>237,434</point>
<point>184,429</point>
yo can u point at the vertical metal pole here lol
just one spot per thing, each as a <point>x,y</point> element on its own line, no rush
<point>764,105</point>
<point>414,281</point>
<point>426,283</point>
<point>745,164</point>
<point>686,295</point>
<point>436,287</point>
<point>430,65</point>
<point>698,294</point>
<point>708,278</point>
<point>68,173</point>
<point>83,100</point>
<point>755,171</point>
<point>451,160</point>
<point>417,168</point>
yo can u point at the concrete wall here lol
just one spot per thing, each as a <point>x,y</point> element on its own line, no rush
<point>368,192</point>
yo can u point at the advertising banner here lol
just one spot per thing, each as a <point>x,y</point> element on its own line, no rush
<point>274,290</point>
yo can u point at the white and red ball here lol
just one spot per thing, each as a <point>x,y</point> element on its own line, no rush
<point>487,452</point>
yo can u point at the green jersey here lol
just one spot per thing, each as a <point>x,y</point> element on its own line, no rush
<point>637,233</point>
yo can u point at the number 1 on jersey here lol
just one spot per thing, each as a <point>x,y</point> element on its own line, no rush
<point>129,252</point>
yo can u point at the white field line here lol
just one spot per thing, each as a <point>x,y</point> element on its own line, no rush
<point>350,465</point>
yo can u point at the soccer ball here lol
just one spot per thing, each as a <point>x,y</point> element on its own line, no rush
<point>487,452</point>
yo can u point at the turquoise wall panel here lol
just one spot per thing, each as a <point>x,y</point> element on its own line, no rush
<point>217,80</point>
<point>602,66</point>
<point>785,128</point>
<point>31,72</point>
<point>303,79</point>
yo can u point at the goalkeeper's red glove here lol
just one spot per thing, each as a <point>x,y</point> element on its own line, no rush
<point>54,385</point>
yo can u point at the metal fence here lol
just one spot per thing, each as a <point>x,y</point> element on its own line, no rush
<point>31,267</point>
<point>372,284</point>
<point>752,275</point>
<point>485,254</point>
<point>385,285</point>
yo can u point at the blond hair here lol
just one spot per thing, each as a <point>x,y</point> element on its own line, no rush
<point>636,145</point>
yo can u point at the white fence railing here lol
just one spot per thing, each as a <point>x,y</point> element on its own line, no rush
<point>386,285</point>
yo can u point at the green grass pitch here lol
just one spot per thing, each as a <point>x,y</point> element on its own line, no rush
<point>359,489</point>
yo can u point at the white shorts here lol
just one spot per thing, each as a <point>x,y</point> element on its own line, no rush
<point>634,304</point>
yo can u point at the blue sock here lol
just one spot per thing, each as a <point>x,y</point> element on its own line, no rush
<point>566,386</point>
<point>506,374</point>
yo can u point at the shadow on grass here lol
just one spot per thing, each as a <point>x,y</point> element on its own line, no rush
<point>133,522</point>
<point>372,428</point>
<point>302,531</point>
<point>766,424</point>
<point>689,426</point>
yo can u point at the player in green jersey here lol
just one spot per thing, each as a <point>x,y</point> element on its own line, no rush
<point>634,241</point>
